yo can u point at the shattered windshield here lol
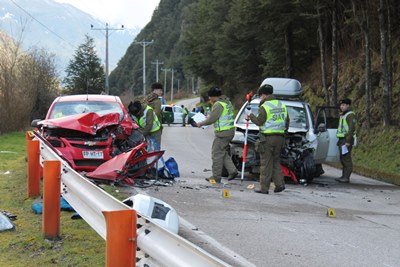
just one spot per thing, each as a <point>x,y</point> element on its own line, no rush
<point>63,109</point>
<point>297,116</point>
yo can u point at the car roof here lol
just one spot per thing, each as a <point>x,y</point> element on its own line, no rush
<point>103,98</point>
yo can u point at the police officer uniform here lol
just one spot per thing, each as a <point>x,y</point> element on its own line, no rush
<point>273,121</point>
<point>222,116</point>
<point>147,120</point>
<point>154,101</point>
<point>346,134</point>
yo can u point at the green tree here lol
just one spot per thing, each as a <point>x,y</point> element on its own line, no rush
<point>204,21</point>
<point>85,74</point>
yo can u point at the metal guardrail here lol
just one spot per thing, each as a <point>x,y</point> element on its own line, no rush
<point>156,245</point>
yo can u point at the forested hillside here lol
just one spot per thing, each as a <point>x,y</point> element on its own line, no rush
<point>334,48</point>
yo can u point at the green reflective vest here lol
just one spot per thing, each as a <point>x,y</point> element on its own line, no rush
<point>225,121</point>
<point>156,122</point>
<point>343,128</point>
<point>276,117</point>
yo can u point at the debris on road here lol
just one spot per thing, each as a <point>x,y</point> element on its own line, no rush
<point>6,223</point>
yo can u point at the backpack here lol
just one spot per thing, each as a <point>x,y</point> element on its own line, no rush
<point>172,166</point>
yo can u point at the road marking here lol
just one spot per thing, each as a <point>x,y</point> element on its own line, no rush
<point>218,246</point>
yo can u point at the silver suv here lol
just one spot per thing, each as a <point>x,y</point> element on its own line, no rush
<point>309,142</point>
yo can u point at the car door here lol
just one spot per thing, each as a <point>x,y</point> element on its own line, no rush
<point>168,114</point>
<point>326,123</point>
<point>322,134</point>
<point>177,114</point>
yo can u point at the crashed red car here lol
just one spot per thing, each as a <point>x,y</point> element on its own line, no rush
<point>90,130</point>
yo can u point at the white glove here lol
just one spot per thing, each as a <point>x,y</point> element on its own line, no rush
<point>247,112</point>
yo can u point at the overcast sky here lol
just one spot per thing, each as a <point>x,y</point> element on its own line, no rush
<point>130,13</point>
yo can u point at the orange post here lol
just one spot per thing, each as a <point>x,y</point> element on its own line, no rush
<point>121,238</point>
<point>51,198</point>
<point>32,147</point>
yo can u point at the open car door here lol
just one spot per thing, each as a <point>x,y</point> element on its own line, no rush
<point>326,123</point>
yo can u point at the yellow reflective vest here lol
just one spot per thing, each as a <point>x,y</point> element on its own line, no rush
<point>225,121</point>
<point>276,117</point>
<point>343,128</point>
<point>156,123</point>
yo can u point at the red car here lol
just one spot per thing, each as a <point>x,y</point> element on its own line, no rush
<point>89,130</point>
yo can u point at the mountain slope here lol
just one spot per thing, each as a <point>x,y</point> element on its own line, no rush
<point>60,28</point>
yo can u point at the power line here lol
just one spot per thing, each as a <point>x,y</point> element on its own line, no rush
<point>50,30</point>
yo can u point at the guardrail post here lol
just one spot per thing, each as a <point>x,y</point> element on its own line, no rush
<point>32,147</point>
<point>51,198</point>
<point>121,238</point>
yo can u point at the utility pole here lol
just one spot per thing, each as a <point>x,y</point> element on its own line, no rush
<point>172,84</point>
<point>107,30</point>
<point>157,63</point>
<point>144,43</point>
<point>165,79</point>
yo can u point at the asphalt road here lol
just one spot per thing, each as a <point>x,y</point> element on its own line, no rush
<point>286,229</point>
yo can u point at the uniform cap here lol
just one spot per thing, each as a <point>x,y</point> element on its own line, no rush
<point>345,101</point>
<point>265,89</point>
<point>214,91</point>
<point>155,86</point>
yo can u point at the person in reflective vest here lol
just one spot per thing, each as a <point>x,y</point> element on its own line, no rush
<point>185,112</point>
<point>222,117</point>
<point>346,134</point>
<point>147,120</point>
<point>155,101</point>
<point>273,120</point>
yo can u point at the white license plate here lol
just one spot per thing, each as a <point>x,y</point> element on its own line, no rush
<point>92,154</point>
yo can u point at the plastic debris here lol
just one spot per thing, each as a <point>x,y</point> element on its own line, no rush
<point>5,223</point>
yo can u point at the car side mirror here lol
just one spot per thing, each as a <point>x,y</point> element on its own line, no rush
<point>321,128</point>
<point>34,123</point>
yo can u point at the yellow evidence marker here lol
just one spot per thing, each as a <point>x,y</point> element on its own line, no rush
<point>226,193</point>
<point>331,213</point>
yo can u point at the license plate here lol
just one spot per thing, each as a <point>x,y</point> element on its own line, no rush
<point>92,154</point>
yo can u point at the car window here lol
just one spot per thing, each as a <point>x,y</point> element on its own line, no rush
<point>63,109</point>
<point>168,109</point>
<point>177,109</point>
<point>297,115</point>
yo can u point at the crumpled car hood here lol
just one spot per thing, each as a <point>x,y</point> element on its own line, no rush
<point>87,122</point>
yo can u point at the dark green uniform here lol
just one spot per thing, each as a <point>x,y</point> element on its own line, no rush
<point>273,120</point>
<point>221,116</point>
<point>346,133</point>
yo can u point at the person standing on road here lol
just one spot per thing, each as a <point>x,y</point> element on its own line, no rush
<point>154,100</point>
<point>273,120</point>
<point>221,115</point>
<point>147,120</point>
<point>185,112</point>
<point>346,133</point>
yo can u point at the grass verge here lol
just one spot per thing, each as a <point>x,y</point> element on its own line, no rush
<point>78,245</point>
